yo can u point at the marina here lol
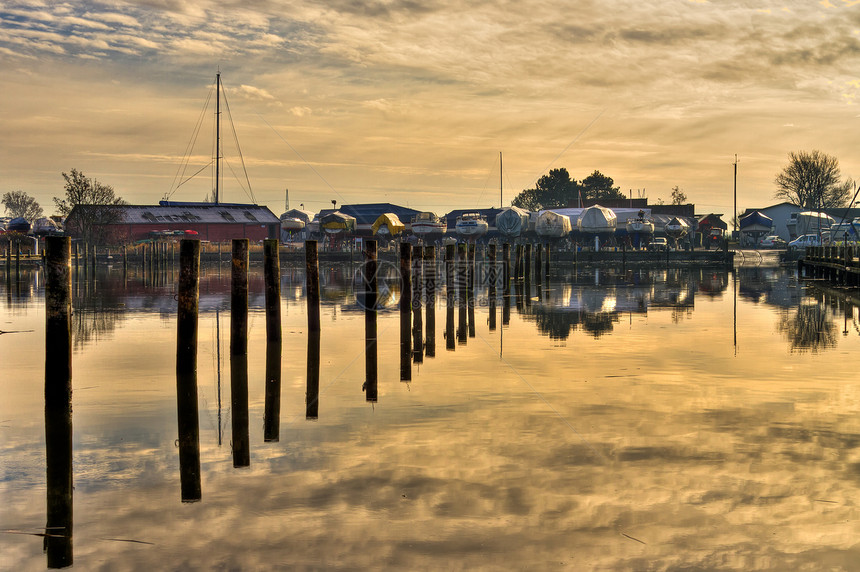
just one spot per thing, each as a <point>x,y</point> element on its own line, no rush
<point>595,418</point>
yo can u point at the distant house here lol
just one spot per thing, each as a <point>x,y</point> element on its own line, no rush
<point>207,221</point>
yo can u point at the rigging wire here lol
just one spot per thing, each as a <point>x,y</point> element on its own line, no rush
<point>189,148</point>
<point>249,192</point>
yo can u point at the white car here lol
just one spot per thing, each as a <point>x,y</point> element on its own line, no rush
<point>772,241</point>
<point>802,242</point>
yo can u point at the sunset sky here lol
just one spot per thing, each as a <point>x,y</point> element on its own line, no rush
<point>412,102</point>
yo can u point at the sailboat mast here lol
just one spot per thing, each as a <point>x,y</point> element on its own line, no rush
<point>217,134</point>
<point>501,201</point>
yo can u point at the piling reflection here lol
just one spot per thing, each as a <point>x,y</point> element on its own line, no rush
<point>58,403</point>
<point>370,288</point>
<point>312,393</point>
<point>272,407</point>
<point>239,409</point>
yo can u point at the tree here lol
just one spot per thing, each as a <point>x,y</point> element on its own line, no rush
<point>20,204</point>
<point>97,204</point>
<point>552,190</point>
<point>598,187</point>
<point>812,181</point>
<point>679,197</point>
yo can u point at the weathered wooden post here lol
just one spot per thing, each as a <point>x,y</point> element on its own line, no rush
<point>430,300</point>
<point>470,290</point>
<point>272,272</point>
<point>239,298</point>
<point>417,318</point>
<point>370,286</point>
<point>239,406</point>
<point>312,275</point>
<point>462,294</point>
<point>528,264</point>
<point>450,297</point>
<point>506,262</point>
<point>58,401</point>
<point>186,370</point>
<point>518,262</point>
<point>546,272</point>
<point>538,262</point>
<point>405,311</point>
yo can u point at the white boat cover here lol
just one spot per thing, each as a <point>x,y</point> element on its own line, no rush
<point>552,224</point>
<point>597,219</point>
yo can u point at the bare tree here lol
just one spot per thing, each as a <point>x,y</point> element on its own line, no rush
<point>679,197</point>
<point>812,181</point>
<point>20,204</point>
<point>95,206</point>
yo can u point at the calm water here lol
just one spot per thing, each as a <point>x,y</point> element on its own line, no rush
<point>642,420</point>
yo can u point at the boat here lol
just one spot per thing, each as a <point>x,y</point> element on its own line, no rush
<point>45,226</point>
<point>388,224</point>
<point>428,225</point>
<point>512,222</point>
<point>337,223</point>
<point>597,220</point>
<point>18,224</point>
<point>551,224</point>
<point>640,224</point>
<point>676,227</point>
<point>811,222</point>
<point>471,225</point>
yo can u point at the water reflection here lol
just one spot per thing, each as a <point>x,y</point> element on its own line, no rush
<point>489,440</point>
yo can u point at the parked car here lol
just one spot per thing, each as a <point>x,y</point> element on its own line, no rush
<point>772,241</point>
<point>659,243</point>
<point>803,241</point>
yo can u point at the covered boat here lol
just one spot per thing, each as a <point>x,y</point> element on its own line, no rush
<point>597,220</point>
<point>471,225</point>
<point>754,226</point>
<point>18,224</point>
<point>337,223</point>
<point>676,227</point>
<point>388,224</point>
<point>427,225</point>
<point>295,220</point>
<point>512,222</point>
<point>45,226</point>
<point>550,224</point>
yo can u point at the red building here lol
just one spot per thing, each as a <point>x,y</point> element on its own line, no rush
<point>113,224</point>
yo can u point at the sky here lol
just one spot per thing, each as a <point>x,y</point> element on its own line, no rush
<point>414,103</point>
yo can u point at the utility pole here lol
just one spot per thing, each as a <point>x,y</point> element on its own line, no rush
<point>736,194</point>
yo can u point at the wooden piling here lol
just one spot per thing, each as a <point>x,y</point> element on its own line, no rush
<point>430,300</point>
<point>417,318</point>
<point>546,264</point>
<point>312,274</point>
<point>528,263</point>
<point>405,311</point>
<point>272,272</point>
<point>518,262</point>
<point>506,262</point>
<point>450,297</point>
<point>239,298</point>
<point>58,401</point>
<point>538,262</point>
